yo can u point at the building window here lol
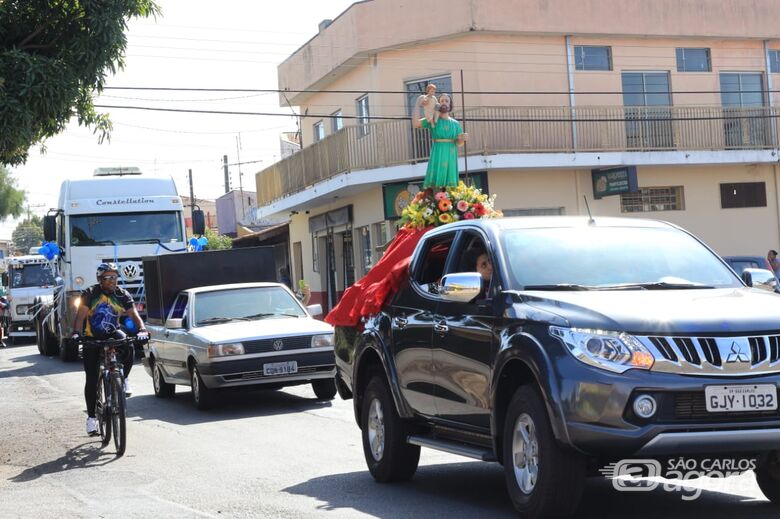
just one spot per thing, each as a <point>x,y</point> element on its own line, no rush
<point>743,194</point>
<point>319,131</point>
<point>650,199</point>
<point>742,97</point>
<point>587,57</point>
<point>693,60</point>
<point>336,122</point>
<point>416,88</point>
<point>315,253</point>
<point>647,98</point>
<point>535,211</point>
<point>363,116</point>
<point>367,253</point>
<point>774,61</point>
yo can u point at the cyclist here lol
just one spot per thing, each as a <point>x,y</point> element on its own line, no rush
<point>98,315</point>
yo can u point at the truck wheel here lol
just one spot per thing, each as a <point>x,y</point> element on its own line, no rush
<point>50,345</point>
<point>543,479</point>
<point>162,389</point>
<point>68,351</point>
<point>203,397</point>
<point>39,336</point>
<point>324,388</point>
<point>768,477</point>
<point>388,456</point>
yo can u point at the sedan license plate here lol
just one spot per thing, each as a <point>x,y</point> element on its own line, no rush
<point>280,368</point>
<point>756,397</point>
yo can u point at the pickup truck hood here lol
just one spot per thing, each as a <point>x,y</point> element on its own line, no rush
<point>712,311</point>
<point>260,329</point>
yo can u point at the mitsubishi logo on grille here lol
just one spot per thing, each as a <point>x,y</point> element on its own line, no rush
<point>736,354</point>
<point>129,271</point>
<point>278,344</point>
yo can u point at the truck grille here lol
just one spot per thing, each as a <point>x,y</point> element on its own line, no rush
<point>741,355</point>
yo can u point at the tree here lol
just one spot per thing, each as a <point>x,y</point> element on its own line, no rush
<point>28,234</point>
<point>218,241</point>
<point>54,55</point>
<point>11,199</point>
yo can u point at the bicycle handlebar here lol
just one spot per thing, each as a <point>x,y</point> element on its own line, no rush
<point>91,342</point>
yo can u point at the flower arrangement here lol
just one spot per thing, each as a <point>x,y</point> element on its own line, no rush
<point>450,205</point>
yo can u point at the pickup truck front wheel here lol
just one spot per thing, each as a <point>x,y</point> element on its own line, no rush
<point>768,477</point>
<point>388,456</point>
<point>543,479</point>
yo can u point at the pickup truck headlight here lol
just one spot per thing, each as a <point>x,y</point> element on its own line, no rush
<point>320,341</point>
<point>221,350</point>
<point>613,351</point>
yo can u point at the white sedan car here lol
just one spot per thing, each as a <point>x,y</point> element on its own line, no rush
<point>247,334</point>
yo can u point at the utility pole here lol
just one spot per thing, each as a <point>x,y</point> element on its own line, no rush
<point>227,176</point>
<point>192,200</point>
<point>240,180</point>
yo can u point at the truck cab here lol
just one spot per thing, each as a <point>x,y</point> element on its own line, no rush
<point>119,215</point>
<point>28,277</point>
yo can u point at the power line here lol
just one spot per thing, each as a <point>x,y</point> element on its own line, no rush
<point>471,119</point>
<point>453,92</point>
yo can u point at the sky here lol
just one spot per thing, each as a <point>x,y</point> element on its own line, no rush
<point>194,44</point>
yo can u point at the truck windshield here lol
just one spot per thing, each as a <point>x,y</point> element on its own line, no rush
<point>610,257</point>
<point>31,275</point>
<point>245,304</point>
<point>113,229</point>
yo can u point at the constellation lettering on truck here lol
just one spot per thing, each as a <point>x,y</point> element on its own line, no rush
<point>123,201</point>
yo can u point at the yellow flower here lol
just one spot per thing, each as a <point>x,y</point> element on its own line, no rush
<point>445,218</point>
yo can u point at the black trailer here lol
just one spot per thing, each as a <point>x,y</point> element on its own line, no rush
<point>167,275</point>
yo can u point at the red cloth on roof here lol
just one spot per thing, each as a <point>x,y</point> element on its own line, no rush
<point>369,293</point>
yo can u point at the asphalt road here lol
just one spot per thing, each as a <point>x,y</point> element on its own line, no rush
<point>260,454</point>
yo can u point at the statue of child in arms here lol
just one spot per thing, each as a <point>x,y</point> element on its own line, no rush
<point>429,103</point>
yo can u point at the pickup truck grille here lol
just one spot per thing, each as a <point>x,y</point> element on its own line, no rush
<point>278,344</point>
<point>741,355</point>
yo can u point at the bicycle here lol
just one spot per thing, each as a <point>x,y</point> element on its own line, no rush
<point>110,408</point>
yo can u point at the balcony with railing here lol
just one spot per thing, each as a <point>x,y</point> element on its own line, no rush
<point>494,130</point>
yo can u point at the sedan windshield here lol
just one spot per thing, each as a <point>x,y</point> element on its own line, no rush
<point>586,258</point>
<point>243,304</point>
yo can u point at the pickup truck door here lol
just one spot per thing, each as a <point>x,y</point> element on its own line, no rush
<point>463,355</point>
<point>411,317</point>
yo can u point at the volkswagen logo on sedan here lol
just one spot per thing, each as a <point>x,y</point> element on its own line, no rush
<point>278,344</point>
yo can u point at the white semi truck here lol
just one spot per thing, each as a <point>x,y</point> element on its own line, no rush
<point>27,278</point>
<point>119,215</point>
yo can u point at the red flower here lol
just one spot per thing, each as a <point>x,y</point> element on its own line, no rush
<point>468,216</point>
<point>479,209</point>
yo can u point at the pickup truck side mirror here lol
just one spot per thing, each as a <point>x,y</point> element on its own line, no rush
<point>460,287</point>
<point>315,310</point>
<point>760,278</point>
<point>174,324</point>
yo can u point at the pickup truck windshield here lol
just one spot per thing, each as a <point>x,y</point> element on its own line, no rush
<point>31,275</point>
<point>241,304</point>
<point>88,230</point>
<point>582,258</point>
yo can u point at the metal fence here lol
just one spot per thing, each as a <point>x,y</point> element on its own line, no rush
<point>532,129</point>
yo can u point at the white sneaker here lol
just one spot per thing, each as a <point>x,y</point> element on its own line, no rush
<point>92,426</point>
<point>128,389</point>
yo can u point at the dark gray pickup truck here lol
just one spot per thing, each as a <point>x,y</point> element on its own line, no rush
<point>592,341</point>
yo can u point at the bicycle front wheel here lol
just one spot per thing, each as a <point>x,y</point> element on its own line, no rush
<point>103,409</point>
<point>118,414</point>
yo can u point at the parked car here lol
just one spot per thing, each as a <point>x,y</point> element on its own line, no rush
<point>740,263</point>
<point>240,335</point>
<point>599,340</point>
